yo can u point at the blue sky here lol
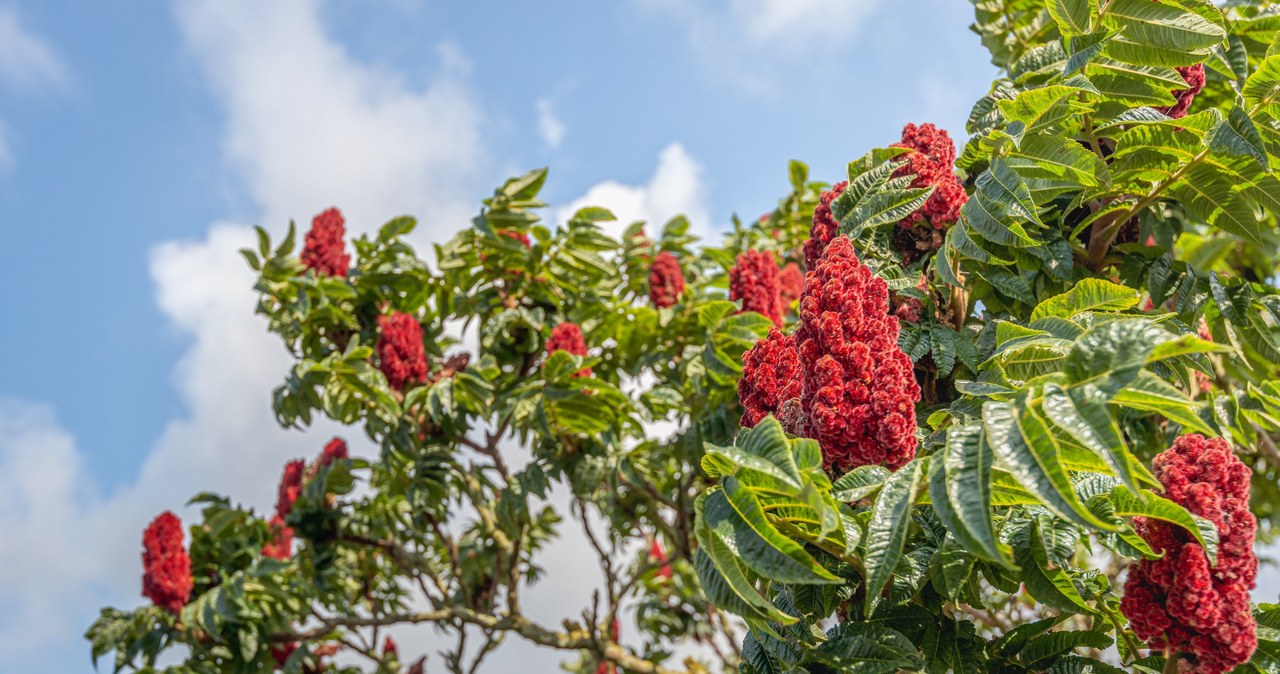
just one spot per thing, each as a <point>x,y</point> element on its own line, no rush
<point>138,141</point>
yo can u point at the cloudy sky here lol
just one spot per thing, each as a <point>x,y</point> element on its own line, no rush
<point>139,142</point>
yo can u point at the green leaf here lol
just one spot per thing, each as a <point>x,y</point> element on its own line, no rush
<point>859,483</point>
<point>1040,650</point>
<point>735,514</point>
<point>960,488</point>
<point>1112,354</point>
<point>1158,33</point>
<point>1150,393</point>
<point>727,585</point>
<point>1047,161</point>
<point>1074,17</point>
<point>1149,504</point>
<point>1023,444</point>
<point>1089,294</point>
<point>764,448</point>
<point>1236,135</point>
<point>888,528</point>
<point>1041,108</point>
<point>1045,581</point>
<point>1082,412</point>
<point>863,648</point>
<point>1209,194</point>
<point>1263,85</point>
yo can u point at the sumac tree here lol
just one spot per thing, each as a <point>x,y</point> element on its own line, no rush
<point>1004,409</point>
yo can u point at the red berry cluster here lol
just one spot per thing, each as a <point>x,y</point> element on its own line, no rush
<point>932,159</point>
<point>859,390</point>
<point>790,284</point>
<point>290,487</point>
<point>1194,77</point>
<point>824,227</point>
<point>1180,602</point>
<point>770,377</point>
<point>280,546</point>
<point>568,337</point>
<point>754,280</point>
<point>401,355</point>
<point>334,450</point>
<point>666,280</point>
<point>853,388</point>
<point>166,578</point>
<point>324,249</point>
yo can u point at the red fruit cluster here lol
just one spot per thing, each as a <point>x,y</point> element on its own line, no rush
<point>401,356</point>
<point>334,450</point>
<point>859,389</point>
<point>568,337</point>
<point>290,487</point>
<point>324,250</point>
<point>280,546</point>
<point>770,377</point>
<point>666,280</point>
<point>754,280</point>
<point>790,284</point>
<point>824,227</point>
<point>1194,77</point>
<point>166,577</point>
<point>932,160</point>
<point>1180,602</point>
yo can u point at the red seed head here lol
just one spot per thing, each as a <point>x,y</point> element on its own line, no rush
<point>790,284</point>
<point>859,391</point>
<point>666,280</point>
<point>932,160</point>
<point>824,227</point>
<point>324,250</point>
<point>568,337</point>
<point>166,578</point>
<point>771,376</point>
<point>401,355</point>
<point>1181,602</point>
<point>281,544</point>
<point>334,450</point>
<point>754,280</point>
<point>290,487</point>
<point>1195,79</point>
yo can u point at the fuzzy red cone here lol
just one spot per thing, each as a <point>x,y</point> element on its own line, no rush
<point>166,577</point>
<point>324,249</point>
<point>1180,602</point>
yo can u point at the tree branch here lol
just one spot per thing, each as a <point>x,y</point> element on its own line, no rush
<point>575,639</point>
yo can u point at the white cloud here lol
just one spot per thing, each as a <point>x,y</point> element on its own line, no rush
<point>26,59</point>
<point>752,42</point>
<point>6,154</point>
<point>675,188</point>
<point>44,493</point>
<point>550,128</point>
<point>309,126</point>
<point>794,22</point>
